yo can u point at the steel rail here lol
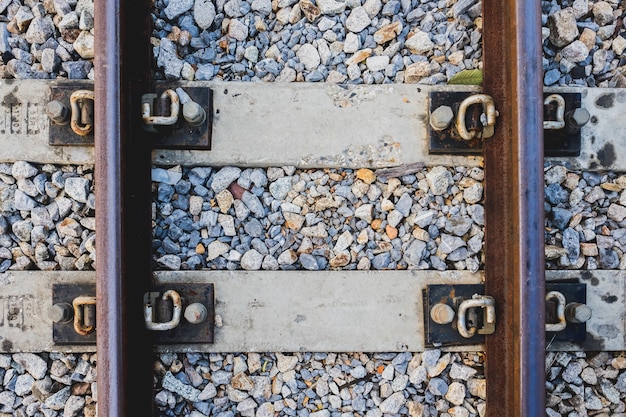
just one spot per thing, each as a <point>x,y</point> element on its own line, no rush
<point>514,208</point>
<point>122,178</point>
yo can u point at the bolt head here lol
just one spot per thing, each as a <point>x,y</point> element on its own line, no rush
<point>195,313</point>
<point>578,312</point>
<point>194,113</point>
<point>580,116</point>
<point>60,313</point>
<point>58,112</point>
<point>442,313</point>
<point>441,117</point>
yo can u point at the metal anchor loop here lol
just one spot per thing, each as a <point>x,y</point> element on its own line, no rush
<point>560,312</point>
<point>81,105</point>
<point>149,313</point>
<point>147,104</point>
<point>84,314</point>
<point>489,316</point>
<point>488,108</point>
<point>559,123</point>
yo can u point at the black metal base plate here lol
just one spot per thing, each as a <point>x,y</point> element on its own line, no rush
<point>574,332</point>
<point>448,141</point>
<point>64,333</point>
<point>556,142</point>
<point>182,135</point>
<point>63,135</point>
<point>438,335</point>
<point>560,142</point>
<point>185,332</point>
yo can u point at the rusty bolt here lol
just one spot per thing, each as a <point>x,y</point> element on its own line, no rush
<point>441,117</point>
<point>195,313</point>
<point>442,313</point>
<point>577,312</point>
<point>575,120</point>
<point>60,313</point>
<point>58,112</point>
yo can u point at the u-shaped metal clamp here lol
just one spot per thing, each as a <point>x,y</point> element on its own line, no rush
<point>81,119</point>
<point>83,320</point>
<point>147,109</point>
<point>148,312</point>
<point>560,312</point>
<point>489,315</point>
<point>559,123</point>
<point>488,108</point>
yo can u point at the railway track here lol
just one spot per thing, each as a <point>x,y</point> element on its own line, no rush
<point>326,240</point>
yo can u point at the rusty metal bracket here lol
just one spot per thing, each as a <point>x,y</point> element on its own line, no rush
<point>192,135</point>
<point>447,334</point>
<point>449,141</point>
<point>64,328</point>
<point>562,135</point>
<point>165,131</point>
<point>574,293</point>
<point>73,314</point>
<point>566,141</point>
<point>186,331</point>
<point>61,133</point>
<point>451,310</point>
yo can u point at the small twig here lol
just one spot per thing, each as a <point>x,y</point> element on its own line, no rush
<point>356,381</point>
<point>399,171</point>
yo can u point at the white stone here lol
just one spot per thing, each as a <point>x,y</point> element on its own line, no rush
<point>331,7</point>
<point>351,44</point>
<point>377,63</point>
<point>575,51</point>
<point>364,212</point>
<point>358,20</point>
<point>439,178</point>
<point>204,13</point>
<point>618,45</point>
<point>237,30</point>
<point>373,7</point>
<point>308,55</point>
<point>343,242</point>
<point>251,260</point>
<point>216,249</point>
<point>393,404</point>
<point>419,43</point>
<point>84,45</point>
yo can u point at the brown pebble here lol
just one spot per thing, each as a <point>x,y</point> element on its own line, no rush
<point>391,231</point>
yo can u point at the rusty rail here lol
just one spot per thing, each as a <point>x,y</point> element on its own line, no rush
<point>122,177</point>
<point>514,213</point>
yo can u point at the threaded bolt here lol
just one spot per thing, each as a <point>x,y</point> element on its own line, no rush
<point>58,112</point>
<point>60,313</point>
<point>442,313</point>
<point>195,313</point>
<point>441,117</point>
<point>577,312</point>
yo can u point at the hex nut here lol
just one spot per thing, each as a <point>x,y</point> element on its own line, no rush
<point>581,116</point>
<point>577,312</point>
<point>195,313</point>
<point>193,113</point>
<point>575,120</point>
<point>58,112</point>
<point>60,313</point>
<point>441,117</point>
